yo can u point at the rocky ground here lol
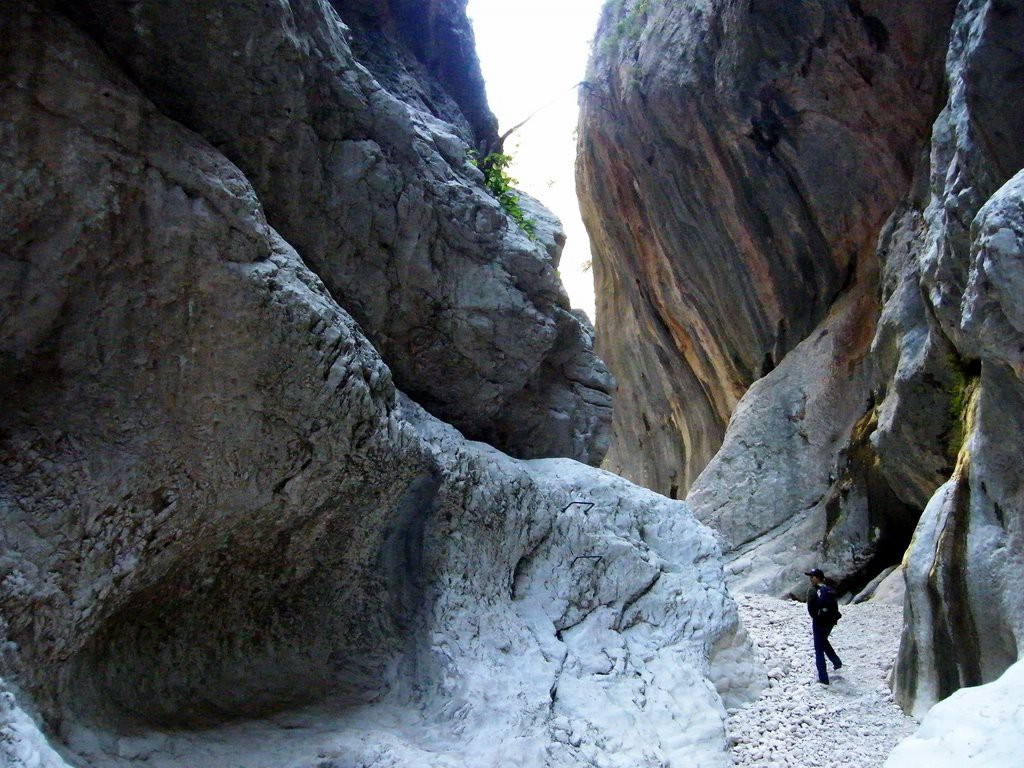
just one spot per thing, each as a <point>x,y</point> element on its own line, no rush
<point>798,723</point>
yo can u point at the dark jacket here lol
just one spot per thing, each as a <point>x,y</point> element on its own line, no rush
<point>823,605</point>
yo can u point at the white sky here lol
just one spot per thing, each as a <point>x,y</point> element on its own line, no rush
<point>532,53</point>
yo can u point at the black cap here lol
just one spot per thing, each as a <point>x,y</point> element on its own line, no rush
<point>815,572</point>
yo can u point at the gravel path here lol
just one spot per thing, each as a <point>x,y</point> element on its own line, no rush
<point>798,723</point>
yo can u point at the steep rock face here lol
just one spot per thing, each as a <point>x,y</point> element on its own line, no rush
<point>379,197</point>
<point>899,413</point>
<point>737,160</point>
<point>782,489</point>
<point>227,537</point>
<point>150,447</point>
<point>965,613</point>
<point>425,54</point>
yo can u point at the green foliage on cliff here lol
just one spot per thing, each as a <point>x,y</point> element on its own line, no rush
<point>501,185</point>
<point>630,24</point>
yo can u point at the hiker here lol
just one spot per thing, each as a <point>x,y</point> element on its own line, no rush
<point>824,609</point>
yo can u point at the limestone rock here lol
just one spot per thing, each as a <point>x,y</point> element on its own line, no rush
<point>162,471</point>
<point>21,742</point>
<point>737,161</point>
<point>548,229</point>
<point>366,171</point>
<point>425,54</point>
<point>979,725</point>
<point>964,620</point>
<point>975,147</point>
<point>779,175</point>
<point>965,615</point>
<point>918,370</point>
<point>887,587</point>
<point>993,306</point>
<point>796,483</point>
<point>226,537</point>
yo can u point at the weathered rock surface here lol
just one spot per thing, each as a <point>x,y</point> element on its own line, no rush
<point>225,536</point>
<point>979,726</point>
<point>781,492</point>
<point>737,161</point>
<point>761,187</point>
<point>888,587</point>
<point>965,614</point>
<point>894,400</point>
<point>425,54</point>
<point>366,171</point>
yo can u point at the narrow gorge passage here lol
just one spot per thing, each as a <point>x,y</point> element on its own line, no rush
<point>798,723</point>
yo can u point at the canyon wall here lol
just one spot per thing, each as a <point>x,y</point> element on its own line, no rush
<point>737,160</point>
<point>242,274</point>
<point>806,242</point>
<point>965,612</point>
<point>367,172</point>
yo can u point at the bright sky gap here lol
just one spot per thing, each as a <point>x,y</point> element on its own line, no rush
<point>532,54</point>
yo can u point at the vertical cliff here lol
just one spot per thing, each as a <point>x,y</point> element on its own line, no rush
<point>806,244</point>
<point>965,612</point>
<point>737,160</point>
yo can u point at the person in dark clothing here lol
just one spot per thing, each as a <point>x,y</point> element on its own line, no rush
<point>824,609</point>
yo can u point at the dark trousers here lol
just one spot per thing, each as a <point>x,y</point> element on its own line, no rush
<point>823,648</point>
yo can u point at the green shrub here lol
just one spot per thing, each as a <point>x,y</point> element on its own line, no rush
<point>501,185</point>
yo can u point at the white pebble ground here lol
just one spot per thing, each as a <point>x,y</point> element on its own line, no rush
<point>798,723</point>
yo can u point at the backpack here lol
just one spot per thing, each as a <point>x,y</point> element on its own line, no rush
<point>828,605</point>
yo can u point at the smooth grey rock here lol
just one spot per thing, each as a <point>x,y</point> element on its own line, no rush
<point>892,590</point>
<point>975,146</point>
<point>919,373</point>
<point>875,590</point>
<point>781,493</point>
<point>964,618</point>
<point>993,312</point>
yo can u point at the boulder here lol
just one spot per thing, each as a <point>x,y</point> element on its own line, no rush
<point>887,587</point>
<point>366,169</point>
<point>979,726</point>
